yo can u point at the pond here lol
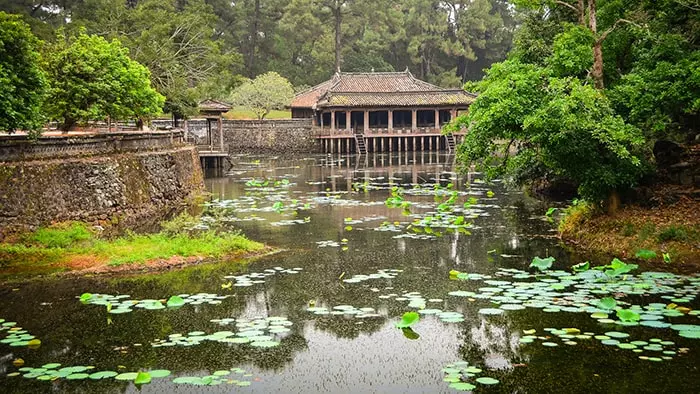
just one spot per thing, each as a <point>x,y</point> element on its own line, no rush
<point>364,241</point>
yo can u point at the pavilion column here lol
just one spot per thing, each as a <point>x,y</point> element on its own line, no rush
<point>220,126</point>
<point>332,121</point>
<point>414,120</point>
<point>391,121</point>
<point>437,119</point>
<point>453,114</point>
<point>348,117</point>
<point>366,122</point>
<point>321,120</point>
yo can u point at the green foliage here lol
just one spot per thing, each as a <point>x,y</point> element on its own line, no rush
<point>408,319</point>
<point>571,52</point>
<point>542,264</point>
<point>265,93</point>
<point>199,49</point>
<point>661,94</point>
<point>672,233</point>
<point>628,315</point>
<point>645,254</point>
<point>562,126</point>
<point>92,79</point>
<point>22,82</point>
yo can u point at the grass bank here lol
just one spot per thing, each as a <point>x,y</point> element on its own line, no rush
<point>77,247</point>
<point>637,232</point>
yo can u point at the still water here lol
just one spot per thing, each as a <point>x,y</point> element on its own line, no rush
<point>349,268</point>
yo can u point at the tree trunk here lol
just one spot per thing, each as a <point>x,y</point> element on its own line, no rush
<point>597,71</point>
<point>253,40</point>
<point>337,14</point>
<point>581,13</point>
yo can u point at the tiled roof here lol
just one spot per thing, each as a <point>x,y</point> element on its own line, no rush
<point>400,99</point>
<point>400,89</point>
<point>214,106</point>
<point>309,97</point>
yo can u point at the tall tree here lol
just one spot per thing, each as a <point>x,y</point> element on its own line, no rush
<point>22,82</point>
<point>93,79</point>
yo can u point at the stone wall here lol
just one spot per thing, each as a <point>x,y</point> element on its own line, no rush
<point>256,136</point>
<point>121,186</point>
<point>17,147</point>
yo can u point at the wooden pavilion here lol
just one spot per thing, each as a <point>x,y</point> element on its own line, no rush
<point>213,151</point>
<point>380,112</point>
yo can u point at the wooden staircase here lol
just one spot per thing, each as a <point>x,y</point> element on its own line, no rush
<point>360,144</point>
<point>451,143</point>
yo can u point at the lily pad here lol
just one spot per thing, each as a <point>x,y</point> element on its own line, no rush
<point>487,380</point>
<point>408,319</point>
<point>462,386</point>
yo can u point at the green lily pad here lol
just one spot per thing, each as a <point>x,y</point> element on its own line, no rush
<point>77,376</point>
<point>461,386</point>
<point>142,378</point>
<point>159,373</point>
<point>103,375</point>
<point>175,301</point>
<point>126,376</point>
<point>487,380</point>
<point>692,334</point>
<point>542,264</point>
<point>408,319</point>
<point>606,303</point>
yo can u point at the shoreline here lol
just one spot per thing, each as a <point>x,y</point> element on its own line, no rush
<point>149,267</point>
<point>672,229</point>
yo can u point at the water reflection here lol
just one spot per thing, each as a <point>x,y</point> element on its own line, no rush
<point>335,353</point>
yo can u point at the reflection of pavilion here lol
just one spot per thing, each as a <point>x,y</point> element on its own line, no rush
<point>389,110</point>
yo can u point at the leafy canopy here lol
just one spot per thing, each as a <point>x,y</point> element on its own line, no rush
<point>266,92</point>
<point>561,126</point>
<point>92,79</point>
<point>22,82</point>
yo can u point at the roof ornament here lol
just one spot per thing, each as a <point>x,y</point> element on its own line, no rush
<point>372,69</point>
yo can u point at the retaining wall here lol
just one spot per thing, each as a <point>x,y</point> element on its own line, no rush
<point>101,178</point>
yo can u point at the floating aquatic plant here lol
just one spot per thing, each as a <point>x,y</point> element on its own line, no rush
<point>408,319</point>
<point>460,373</point>
<point>542,264</point>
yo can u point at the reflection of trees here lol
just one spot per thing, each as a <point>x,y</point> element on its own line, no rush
<point>495,344</point>
<point>348,326</point>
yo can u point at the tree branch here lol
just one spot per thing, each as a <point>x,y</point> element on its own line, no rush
<point>614,26</point>
<point>567,5</point>
<point>692,4</point>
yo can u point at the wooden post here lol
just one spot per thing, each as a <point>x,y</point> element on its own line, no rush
<point>391,120</point>
<point>220,126</point>
<point>332,121</point>
<point>321,117</point>
<point>453,114</point>
<point>348,124</point>
<point>366,126</point>
<point>414,120</point>
<point>437,119</point>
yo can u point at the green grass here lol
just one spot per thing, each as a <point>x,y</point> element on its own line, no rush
<point>73,243</point>
<point>61,236</point>
<point>142,248</point>
<point>243,113</point>
<point>673,233</point>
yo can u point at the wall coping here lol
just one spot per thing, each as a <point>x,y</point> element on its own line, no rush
<point>17,147</point>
